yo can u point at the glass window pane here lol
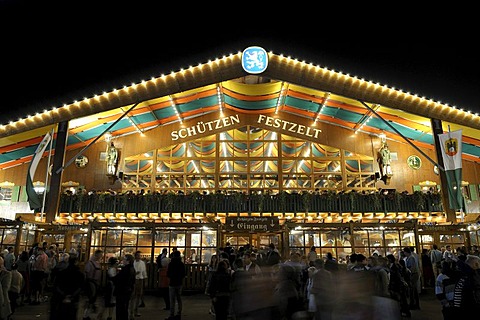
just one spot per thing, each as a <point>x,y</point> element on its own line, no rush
<point>376,238</point>
<point>209,238</point>
<point>130,238</point>
<point>112,237</point>
<point>178,239</point>
<point>296,238</point>
<point>392,238</point>
<point>312,239</point>
<point>408,238</point>
<point>10,237</point>
<point>162,238</point>
<point>145,238</point>
<point>328,239</point>
<point>361,238</point>
<point>342,254</point>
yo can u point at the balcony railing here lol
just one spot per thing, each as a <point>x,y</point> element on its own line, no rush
<point>240,202</point>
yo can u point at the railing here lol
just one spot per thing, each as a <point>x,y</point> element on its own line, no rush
<point>240,202</point>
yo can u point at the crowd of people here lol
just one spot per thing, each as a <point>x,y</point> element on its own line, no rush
<point>244,283</point>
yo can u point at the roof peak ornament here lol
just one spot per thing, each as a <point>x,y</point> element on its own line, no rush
<point>254,60</point>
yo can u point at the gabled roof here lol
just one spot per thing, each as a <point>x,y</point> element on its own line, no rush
<point>313,92</point>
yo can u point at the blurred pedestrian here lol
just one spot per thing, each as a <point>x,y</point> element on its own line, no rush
<point>16,287</point>
<point>124,283</point>
<point>175,273</point>
<point>67,289</point>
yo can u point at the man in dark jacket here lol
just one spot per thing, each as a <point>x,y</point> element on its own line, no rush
<point>176,274</point>
<point>272,257</point>
<point>67,288</point>
<point>124,282</point>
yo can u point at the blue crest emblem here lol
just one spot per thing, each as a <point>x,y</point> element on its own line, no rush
<point>254,60</point>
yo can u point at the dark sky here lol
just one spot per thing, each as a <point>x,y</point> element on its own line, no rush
<point>52,58</point>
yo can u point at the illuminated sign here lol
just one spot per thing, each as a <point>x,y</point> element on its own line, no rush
<point>254,60</point>
<point>253,224</point>
<point>227,122</point>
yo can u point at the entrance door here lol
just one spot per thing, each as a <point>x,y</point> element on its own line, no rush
<point>259,241</point>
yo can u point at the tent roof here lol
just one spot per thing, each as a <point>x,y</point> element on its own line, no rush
<point>313,92</point>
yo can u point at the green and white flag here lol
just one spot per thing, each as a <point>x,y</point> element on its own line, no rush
<point>451,147</point>
<point>33,199</point>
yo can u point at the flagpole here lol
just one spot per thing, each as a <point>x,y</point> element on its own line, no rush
<point>95,140</point>
<point>401,135</point>
<point>46,176</point>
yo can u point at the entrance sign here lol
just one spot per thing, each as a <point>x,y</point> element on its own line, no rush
<point>254,60</point>
<point>262,224</point>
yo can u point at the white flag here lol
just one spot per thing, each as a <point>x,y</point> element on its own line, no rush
<point>451,146</point>
<point>33,198</point>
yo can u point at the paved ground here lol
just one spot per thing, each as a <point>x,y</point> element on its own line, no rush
<point>196,307</point>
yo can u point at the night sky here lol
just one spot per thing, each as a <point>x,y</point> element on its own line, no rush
<point>50,59</point>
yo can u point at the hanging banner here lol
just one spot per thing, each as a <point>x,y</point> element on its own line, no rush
<point>451,147</point>
<point>33,199</point>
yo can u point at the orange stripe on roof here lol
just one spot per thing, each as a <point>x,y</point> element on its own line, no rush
<point>23,144</point>
<point>304,96</point>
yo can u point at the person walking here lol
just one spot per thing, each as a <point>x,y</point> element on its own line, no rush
<point>67,287</point>
<point>253,270</point>
<point>39,267</point>
<point>109,298</point>
<point>212,268</point>
<point>466,295</point>
<point>427,269</point>
<point>398,286</point>
<point>5,282</point>
<point>412,265</point>
<point>162,263</point>
<point>175,273</point>
<point>140,277</point>
<point>449,255</point>
<point>272,257</point>
<point>219,290</point>
<point>436,258</point>
<point>23,267</point>
<point>61,265</point>
<point>124,284</point>
<point>331,264</point>
<point>16,286</point>
<point>9,258</point>
<point>444,288</point>
<point>93,277</point>
<point>312,256</point>
<point>323,291</point>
